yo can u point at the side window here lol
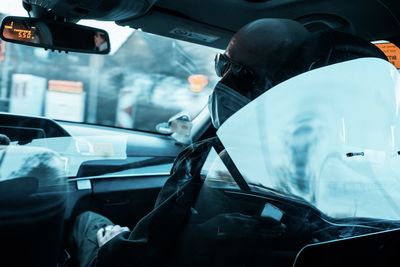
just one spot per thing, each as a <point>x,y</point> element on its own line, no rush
<point>216,174</point>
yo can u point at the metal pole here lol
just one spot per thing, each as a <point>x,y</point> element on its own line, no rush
<point>96,63</point>
<point>5,76</point>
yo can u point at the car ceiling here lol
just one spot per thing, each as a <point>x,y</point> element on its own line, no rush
<point>370,19</point>
<point>212,22</point>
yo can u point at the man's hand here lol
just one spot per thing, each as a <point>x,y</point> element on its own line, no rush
<point>105,234</point>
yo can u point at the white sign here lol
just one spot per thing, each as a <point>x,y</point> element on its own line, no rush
<point>27,94</point>
<point>65,106</point>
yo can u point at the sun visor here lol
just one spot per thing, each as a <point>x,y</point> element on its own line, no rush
<point>94,9</point>
<point>330,136</point>
<point>160,22</point>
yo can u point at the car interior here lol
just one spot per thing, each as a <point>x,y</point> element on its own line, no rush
<point>40,236</point>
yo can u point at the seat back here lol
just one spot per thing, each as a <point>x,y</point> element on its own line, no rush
<point>325,48</point>
<point>32,204</point>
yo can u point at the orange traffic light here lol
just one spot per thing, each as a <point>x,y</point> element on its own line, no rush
<point>197,82</point>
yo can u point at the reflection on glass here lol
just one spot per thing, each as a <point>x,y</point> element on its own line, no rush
<point>100,41</point>
<point>336,141</point>
<point>215,172</point>
<point>55,35</point>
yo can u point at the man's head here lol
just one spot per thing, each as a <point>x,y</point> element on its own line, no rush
<point>99,39</point>
<point>265,46</point>
<point>253,62</point>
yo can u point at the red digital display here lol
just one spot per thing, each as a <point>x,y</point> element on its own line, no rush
<point>19,32</point>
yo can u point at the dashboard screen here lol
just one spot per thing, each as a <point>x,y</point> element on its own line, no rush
<point>21,31</point>
<point>22,135</point>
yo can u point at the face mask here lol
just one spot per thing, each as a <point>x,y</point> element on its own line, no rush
<point>223,103</point>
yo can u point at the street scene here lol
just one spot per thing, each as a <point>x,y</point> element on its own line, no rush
<point>147,80</point>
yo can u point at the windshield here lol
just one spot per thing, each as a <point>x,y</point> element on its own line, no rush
<point>144,81</point>
<point>100,155</point>
<point>329,136</point>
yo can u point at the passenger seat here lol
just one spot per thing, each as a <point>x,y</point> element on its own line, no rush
<point>32,204</point>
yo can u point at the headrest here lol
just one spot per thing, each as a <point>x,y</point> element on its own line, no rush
<point>330,47</point>
<point>16,190</point>
<point>32,184</point>
<point>326,48</point>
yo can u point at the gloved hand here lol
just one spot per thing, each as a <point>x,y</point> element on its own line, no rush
<point>109,232</point>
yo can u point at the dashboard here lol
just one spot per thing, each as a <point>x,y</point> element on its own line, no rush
<point>25,128</point>
<point>110,170</point>
<point>93,150</point>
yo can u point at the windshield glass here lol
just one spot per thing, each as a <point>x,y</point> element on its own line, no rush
<point>99,155</point>
<point>329,136</point>
<point>144,81</point>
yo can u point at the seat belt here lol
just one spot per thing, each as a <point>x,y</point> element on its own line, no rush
<point>230,165</point>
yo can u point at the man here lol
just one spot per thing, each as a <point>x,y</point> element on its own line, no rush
<point>254,61</point>
<point>100,42</point>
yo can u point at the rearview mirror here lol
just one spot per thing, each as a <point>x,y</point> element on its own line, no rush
<point>54,35</point>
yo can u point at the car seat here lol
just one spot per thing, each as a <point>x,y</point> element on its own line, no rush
<point>326,48</point>
<point>32,204</point>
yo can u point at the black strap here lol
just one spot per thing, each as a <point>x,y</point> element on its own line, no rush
<point>230,165</point>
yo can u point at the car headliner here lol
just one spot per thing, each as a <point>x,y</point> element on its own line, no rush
<point>370,19</point>
<point>212,22</point>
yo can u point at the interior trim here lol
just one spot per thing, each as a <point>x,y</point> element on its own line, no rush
<point>142,175</point>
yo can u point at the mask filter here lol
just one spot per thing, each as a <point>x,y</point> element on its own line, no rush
<point>223,103</point>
